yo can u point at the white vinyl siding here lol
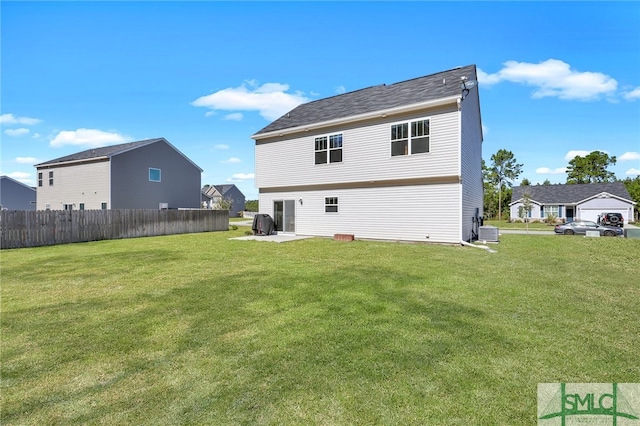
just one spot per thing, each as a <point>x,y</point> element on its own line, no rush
<point>366,154</point>
<point>405,215</point>
<point>83,183</point>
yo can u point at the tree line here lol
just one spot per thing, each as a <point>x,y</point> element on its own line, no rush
<point>498,178</point>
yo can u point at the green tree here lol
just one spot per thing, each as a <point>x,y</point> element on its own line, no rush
<point>224,203</point>
<point>633,187</point>
<point>525,209</point>
<point>490,193</point>
<point>525,182</point>
<point>546,182</point>
<point>251,206</point>
<point>591,168</point>
<point>504,169</point>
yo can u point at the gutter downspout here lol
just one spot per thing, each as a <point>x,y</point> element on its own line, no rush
<point>487,248</point>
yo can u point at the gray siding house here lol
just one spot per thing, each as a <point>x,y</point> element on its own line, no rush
<point>16,195</point>
<point>392,162</point>
<point>148,174</point>
<point>572,202</point>
<point>212,194</point>
<point>235,195</point>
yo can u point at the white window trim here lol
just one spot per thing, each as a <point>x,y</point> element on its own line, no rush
<point>337,203</point>
<point>408,123</point>
<point>544,212</point>
<point>328,149</point>
<point>159,173</point>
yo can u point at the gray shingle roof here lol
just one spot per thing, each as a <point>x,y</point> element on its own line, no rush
<point>107,151</point>
<point>375,98</point>
<point>569,194</point>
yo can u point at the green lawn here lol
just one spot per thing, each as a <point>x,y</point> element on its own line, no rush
<point>197,329</point>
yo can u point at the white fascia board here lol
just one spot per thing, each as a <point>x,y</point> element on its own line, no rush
<point>65,163</point>
<point>604,195</point>
<point>521,200</point>
<point>360,117</point>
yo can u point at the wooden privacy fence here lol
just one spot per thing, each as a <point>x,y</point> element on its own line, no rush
<point>22,228</point>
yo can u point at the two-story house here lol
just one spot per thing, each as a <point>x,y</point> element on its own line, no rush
<point>213,194</point>
<point>392,162</point>
<point>16,195</point>
<point>148,174</point>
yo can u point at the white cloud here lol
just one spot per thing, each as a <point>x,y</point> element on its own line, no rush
<point>548,171</point>
<point>339,90</point>
<point>633,95</point>
<point>12,119</point>
<point>235,116</point>
<point>579,153</point>
<point>629,156</point>
<point>270,100</point>
<point>91,138</point>
<point>17,132</point>
<point>221,146</point>
<point>487,79</point>
<point>36,136</point>
<point>553,78</point>
<point>20,176</point>
<point>232,160</point>
<point>632,172</point>
<point>485,130</point>
<point>26,160</point>
<point>243,176</point>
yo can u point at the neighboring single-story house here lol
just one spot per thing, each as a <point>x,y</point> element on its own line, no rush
<point>391,162</point>
<point>148,174</point>
<point>15,195</point>
<point>574,201</point>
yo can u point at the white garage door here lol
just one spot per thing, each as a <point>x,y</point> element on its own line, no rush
<point>592,214</point>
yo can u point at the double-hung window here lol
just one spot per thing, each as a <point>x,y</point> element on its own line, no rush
<point>410,138</point>
<point>331,204</point>
<point>40,179</point>
<point>50,178</point>
<point>551,210</point>
<point>328,149</point>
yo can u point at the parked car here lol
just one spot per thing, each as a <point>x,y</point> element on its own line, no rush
<point>580,227</point>
<point>611,219</point>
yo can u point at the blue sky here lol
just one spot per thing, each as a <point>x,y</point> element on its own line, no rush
<point>556,79</point>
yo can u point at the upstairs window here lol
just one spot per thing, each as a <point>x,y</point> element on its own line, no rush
<point>154,175</point>
<point>50,178</point>
<point>410,138</point>
<point>40,179</point>
<point>328,149</point>
<point>331,204</point>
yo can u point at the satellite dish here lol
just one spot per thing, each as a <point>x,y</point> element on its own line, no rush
<point>467,85</point>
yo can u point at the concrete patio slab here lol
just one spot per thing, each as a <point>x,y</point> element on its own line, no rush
<point>278,238</point>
